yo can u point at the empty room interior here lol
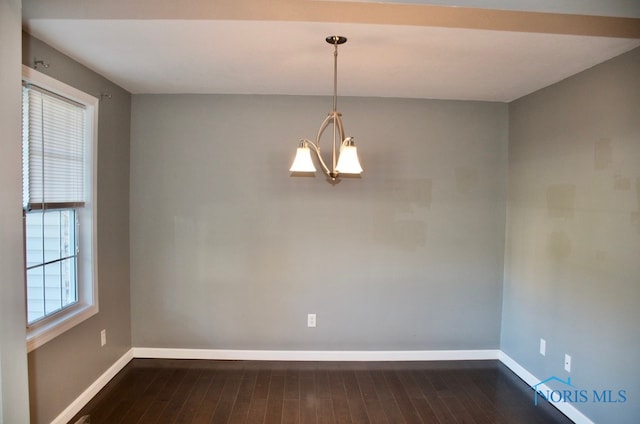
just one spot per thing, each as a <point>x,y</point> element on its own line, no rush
<point>496,216</point>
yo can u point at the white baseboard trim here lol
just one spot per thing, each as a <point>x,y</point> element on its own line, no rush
<point>566,408</point>
<point>305,355</point>
<point>93,390</point>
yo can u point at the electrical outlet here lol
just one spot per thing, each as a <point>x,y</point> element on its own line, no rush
<point>567,363</point>
<point>311,320</point>
<point>543,347</point>
<point>103,337</point>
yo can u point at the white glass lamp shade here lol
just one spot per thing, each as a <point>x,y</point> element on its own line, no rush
<point>302,161</point>
<point>348,162</point>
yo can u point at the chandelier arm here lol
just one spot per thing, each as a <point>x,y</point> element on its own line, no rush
<point>331,117</point>
<point>338,121</point>
<point>323,127</point>
<point>316,149</point>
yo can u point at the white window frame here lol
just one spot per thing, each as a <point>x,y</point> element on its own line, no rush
<point>50,327</point>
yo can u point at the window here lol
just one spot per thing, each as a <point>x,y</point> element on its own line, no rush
<point>59,144</point>
<point>51,257</point>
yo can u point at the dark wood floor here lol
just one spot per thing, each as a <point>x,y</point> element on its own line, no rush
<point>193,391</point>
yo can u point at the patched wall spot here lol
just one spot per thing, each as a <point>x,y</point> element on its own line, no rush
<point>411,193</point>
<point>561,200</point>
<point>635,220</point>
<point>621,183</point>
<point>559,245</point>
<point>602,154</point>
<point>403,223</point>
<point>466,179</point>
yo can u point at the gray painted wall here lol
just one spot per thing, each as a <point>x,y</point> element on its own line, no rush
<point>572,272</point>
<point>228,251</point>
<point>13,352</point>
<point>74,360</point>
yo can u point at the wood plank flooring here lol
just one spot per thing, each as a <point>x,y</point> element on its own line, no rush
<point>197,391</point>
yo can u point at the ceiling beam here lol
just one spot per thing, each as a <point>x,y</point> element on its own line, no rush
<point>336,11</point>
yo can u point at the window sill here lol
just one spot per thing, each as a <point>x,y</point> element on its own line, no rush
<point>46,331</point>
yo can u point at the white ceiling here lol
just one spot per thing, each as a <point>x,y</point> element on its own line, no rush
<point>291,56</point>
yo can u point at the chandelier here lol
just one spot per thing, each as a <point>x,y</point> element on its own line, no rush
<point>344,156</point>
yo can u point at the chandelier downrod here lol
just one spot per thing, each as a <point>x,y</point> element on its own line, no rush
<point>336,40</point>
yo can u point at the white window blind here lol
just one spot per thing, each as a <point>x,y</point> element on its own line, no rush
<point>53,150</point>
